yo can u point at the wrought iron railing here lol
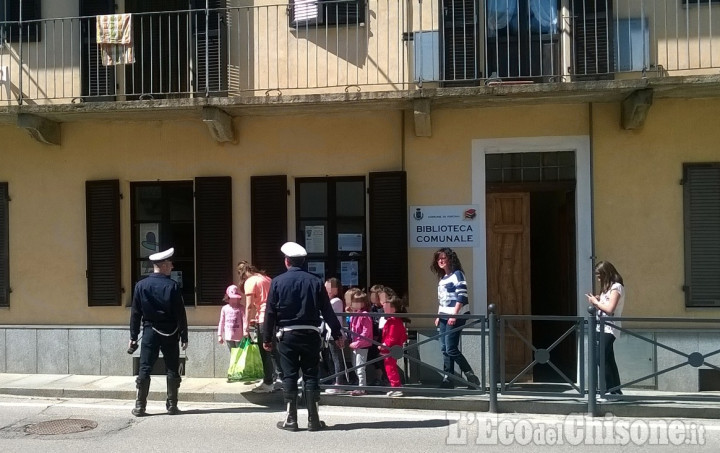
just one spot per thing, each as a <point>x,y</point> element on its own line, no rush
<point>337,46</point>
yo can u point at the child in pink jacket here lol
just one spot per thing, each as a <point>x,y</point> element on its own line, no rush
<point>232,315</point>
<point>361,328</point>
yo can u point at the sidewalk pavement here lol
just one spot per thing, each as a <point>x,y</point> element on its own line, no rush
<point>218,390</point>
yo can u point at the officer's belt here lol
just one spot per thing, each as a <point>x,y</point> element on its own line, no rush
<point>299,327</point>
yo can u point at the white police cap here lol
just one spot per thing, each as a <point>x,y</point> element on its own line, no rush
<point>291,250</point>
<point>162,256</point>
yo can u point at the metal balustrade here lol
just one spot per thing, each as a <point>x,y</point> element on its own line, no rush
<point>339,46</point>
<point>489,337</point>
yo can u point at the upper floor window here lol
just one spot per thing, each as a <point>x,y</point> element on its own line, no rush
<point>10,12</point>
<point>306,13</point>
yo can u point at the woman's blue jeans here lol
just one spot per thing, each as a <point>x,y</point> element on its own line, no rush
<point>449,343</point>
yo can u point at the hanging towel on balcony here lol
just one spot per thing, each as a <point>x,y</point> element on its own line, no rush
<point>114,37</point>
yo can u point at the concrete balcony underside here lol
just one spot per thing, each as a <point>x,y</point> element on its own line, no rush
<point>499,95</point>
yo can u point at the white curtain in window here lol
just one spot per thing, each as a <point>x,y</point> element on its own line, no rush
<point>544,15</point>
<point>500,14</point>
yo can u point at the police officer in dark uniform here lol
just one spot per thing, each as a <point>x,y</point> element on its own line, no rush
<point>294,305</point>
<point>158,302</point>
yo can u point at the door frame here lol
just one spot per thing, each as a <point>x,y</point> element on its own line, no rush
<point>580,144</point>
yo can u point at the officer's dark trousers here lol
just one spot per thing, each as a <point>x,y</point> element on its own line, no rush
<point>299,350</point>
<point>152,343</point>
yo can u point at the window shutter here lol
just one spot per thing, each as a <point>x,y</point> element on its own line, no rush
<point>213,238</point>
<point>102,204</point>
<point>593,39</point>
<point>98,81</point>
<point>459,41</point>
<point>388,230</point>
<point>211,64</point>
<point>701,205</point>
<point>4,246</point>
<point>268,219</point>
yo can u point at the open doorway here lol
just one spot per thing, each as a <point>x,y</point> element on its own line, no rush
<point>531,258</point>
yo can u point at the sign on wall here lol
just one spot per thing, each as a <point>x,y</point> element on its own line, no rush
<point>444,226</point>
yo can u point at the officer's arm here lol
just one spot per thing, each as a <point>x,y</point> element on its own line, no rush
<point>135,316</point>
<point>270,316</point>
<point>179,304</point>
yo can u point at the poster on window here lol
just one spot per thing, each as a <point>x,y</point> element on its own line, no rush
<point>177,276</point>
<point>149,239</point>
<point>315,239</point>
<point>350,242</point>
<point>349,273</point>
<point>317,268</point>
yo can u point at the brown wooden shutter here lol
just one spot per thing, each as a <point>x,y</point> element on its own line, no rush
<point>102,203</point>
<point>4,246</point>
<point>268,208</point>
<point>701,205</point>
<point>213,238</point>
<point>388,230</point>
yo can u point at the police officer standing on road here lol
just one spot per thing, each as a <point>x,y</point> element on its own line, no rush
<point>294,305</point>
<point>158,302</point>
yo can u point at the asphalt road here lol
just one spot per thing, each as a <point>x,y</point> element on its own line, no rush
<point>42,424</point>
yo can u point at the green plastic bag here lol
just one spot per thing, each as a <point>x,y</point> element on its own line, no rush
<point>245,362</point>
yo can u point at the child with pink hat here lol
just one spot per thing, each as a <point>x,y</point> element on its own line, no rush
<point>231,325</point>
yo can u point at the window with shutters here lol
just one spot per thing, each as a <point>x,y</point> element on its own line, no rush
<point>701,207</point>
<point>4,246</point>
<point>304,13</point>
<point>330,220</point>
<point>194,219</point>
<point>31,29</point>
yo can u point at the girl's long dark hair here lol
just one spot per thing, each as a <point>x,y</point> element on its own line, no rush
<point>608,275</point>
<point>452,257</point>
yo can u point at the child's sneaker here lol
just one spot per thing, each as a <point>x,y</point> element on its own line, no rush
<point>263,388</point>
<point>395,393</point>
<point>335,391</point>
<point>358,393</point>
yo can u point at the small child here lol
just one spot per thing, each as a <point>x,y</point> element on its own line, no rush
<point>393,334</point>
<point>332,286</point>
<point>232,315</point>
<point>362,333</point>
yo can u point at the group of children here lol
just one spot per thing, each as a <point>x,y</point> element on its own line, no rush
<point>365,331</point>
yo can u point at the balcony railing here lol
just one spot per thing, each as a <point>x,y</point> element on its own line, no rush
<point>335,46</point>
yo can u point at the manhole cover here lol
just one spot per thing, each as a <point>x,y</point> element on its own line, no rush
<point>65,426</point>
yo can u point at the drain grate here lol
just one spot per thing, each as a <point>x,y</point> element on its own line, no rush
<point>64,426</point>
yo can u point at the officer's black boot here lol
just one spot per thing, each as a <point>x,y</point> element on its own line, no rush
<point>173,384</point>
<point>313,400</point>
<point>290,422</point>
<point>143,388</point>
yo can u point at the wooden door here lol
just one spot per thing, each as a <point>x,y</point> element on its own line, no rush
<point>508,272</point>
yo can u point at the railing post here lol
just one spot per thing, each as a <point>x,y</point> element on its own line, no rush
<point>592,362</point>
<point>492,354</point>
<point>207,48</point>
<point>20,54</point>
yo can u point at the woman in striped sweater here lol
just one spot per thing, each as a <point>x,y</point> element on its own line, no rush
<point>452,300</point>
